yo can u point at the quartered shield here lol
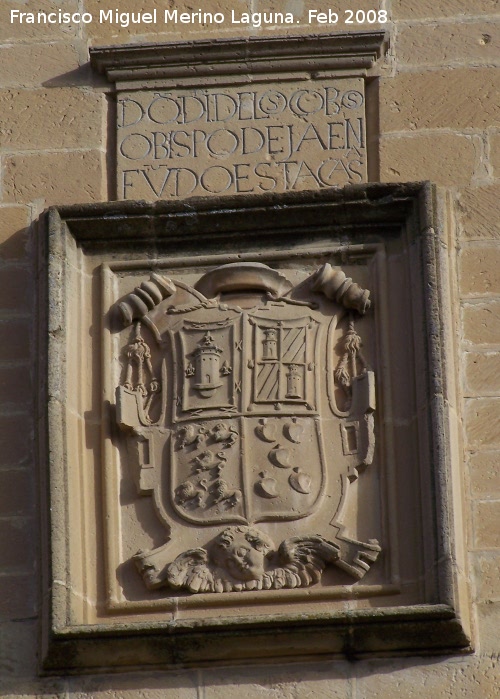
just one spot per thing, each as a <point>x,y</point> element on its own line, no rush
<point>246,442</point>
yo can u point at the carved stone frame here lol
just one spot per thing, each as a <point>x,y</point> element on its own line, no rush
<point>404,230</point>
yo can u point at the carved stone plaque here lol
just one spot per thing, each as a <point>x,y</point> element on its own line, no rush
<point>240,116</point>
<point>249,419</point>
<point>270,137</point>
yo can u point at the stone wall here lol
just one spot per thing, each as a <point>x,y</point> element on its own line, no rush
<point>439,121</point>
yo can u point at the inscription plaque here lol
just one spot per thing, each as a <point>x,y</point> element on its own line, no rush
<point>259,138</point>
<point>232,117</point>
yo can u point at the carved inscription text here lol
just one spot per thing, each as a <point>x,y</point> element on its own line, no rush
<point>248,418</point>
<point>175,143</point>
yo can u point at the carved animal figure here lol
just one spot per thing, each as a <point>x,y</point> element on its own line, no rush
<point>188,491</point>
<point>207,460</point>
<point>191,434</point>
<point>222,493</point>
<point>222,433</point>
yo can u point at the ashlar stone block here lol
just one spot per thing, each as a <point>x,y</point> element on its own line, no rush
<point>477,210</point>
<point>467,42</point>
<point>447,159</point>
<point>70,176</point>
<point>439,99</point>
<point>232,474</point>
<point>51,119</point>
<point>31,65</point>
<point>434,9</point>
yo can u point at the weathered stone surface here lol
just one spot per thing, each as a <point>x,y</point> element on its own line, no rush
<point>481,322</point>
<point>488,617</point>
<point>13,231</point>
<point>485,474</point>
<point>15,387</point>
<point>486,520</point>
<point>304,680</point>
<point>70,177</point>
<point>442,158</point>
<point>295,18</point>
<point>440,99</point>
<point>16,544</point>
<point>247,685</point>
<point>40,688</point>
<point>474,678</point>
<point>30,65</point>
<point>467,42</point>
<point>446,9</point>
<point>482,373</point>
<point>480,270</point>
<point>22,31</point>
<point>478,212</point>
<point>17,493</point>
<point>16,284</point>
<point>487,574</point>
<point>111,33</point>
<point>51,119</point>
<point>329,23</point>
<point>322,681</point>
<point>18,649</point>
<point>15,343</point>
<point>495,154</point>
<point>18,597</point>
<point>178,685</point>
<point>16,440</point>
<point>482,423</point>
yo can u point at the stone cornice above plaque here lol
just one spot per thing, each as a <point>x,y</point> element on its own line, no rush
<point>231,60</point>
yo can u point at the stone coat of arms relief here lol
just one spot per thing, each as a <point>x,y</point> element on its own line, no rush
<point>207,427</point>
<point>247,406</point>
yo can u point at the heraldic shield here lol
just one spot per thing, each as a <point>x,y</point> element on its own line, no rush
<point>248,406</point>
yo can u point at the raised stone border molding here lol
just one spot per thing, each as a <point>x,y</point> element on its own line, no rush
<point>392,239</point>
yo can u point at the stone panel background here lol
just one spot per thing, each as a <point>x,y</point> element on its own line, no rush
<point>439,120</point>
